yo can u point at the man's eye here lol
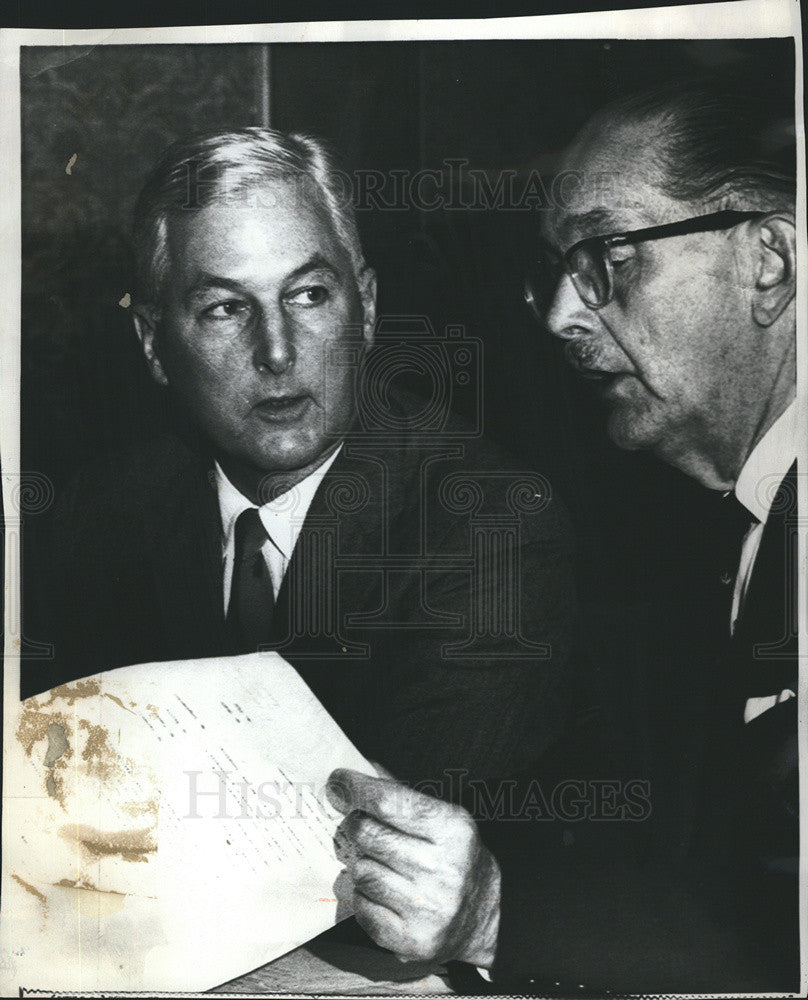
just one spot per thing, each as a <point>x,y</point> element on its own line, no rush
<point>226,310</point>
<point>310,296</point>
<point>621,255</point>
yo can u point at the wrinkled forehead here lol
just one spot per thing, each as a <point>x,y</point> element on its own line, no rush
<point>610,180</point>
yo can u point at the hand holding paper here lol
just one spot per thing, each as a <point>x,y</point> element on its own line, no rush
<point>425,886</point>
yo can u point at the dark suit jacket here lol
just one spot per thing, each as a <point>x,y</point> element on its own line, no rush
<point>701,895</point>
<point>401,548</point>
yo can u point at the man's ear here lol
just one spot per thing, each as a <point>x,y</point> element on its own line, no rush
<point>367,292</point>
<point>145,320</point>
<point>775,267</point>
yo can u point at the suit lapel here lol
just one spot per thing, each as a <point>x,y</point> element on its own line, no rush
<point>759,660</point>
<point>765,640</point>
<point>345,517</point>
<point>766,658</point>
<point>184,534</point>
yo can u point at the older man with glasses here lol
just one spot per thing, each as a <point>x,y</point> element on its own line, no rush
<point>672,287</point>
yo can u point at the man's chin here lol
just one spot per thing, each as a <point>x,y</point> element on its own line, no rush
<point>294,460</point>
<point>629,430</point>
<point>264,471</point>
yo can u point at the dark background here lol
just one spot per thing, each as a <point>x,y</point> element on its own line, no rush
<point>499,105</point>
<point>151,13</point>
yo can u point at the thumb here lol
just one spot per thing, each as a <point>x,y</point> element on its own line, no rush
<point>347,789</point>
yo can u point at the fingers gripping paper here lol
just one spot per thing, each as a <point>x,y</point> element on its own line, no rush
<point>166,826</point>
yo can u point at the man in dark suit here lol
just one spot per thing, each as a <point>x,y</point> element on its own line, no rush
<point>416,578</point>
<point>669,274</point>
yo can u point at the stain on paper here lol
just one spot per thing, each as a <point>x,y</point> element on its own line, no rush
<point>57,743</point>
<point>35,726</point>
<point>53,786</point>
<point>102,760</point>
<point>90,901</point>
<point>58,746</point>
<point>143,806</point>
<point>131,845</point>
<point>70,692</point>
<point>117,700</point>
<point>29,888</point>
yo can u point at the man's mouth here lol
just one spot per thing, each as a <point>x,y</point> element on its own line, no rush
<point>582,355</point>
<point>584,366</point>
<point>282,409</point>
<point>594,374</point>
<point>601,375</point>
<point>606,383</point>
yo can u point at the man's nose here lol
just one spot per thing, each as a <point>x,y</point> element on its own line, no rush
<point>568,316</point>
<point>274,343</point>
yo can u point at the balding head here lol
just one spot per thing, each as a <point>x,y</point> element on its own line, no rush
<point>692,340</point>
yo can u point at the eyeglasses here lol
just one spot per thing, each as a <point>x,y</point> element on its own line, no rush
<point>591,268</point>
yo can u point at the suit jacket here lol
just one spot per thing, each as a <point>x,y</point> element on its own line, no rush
<point>429,601</point>
<point>701,895</point>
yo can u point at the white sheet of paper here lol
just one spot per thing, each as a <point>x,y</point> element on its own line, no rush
<point>165,826</point>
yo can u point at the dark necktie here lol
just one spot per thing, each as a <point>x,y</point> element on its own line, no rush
<point>734,522</point>
<point>749,791</point>
<point>252,600</point>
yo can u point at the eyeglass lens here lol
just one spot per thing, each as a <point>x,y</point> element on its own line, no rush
<point>587,270</point>
<point>589,273</point>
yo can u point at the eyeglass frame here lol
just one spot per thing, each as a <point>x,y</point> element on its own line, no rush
<point>712,222</point>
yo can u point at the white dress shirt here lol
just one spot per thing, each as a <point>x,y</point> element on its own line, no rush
<point>282,517</point>
<point>757,484</point>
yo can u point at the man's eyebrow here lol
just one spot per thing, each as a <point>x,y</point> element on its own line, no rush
<point>205,281</point>
<point>595,222</point>
<point>317,262</point>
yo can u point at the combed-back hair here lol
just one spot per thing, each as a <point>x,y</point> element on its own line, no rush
<point>724,142</point>
<point>212,166</point>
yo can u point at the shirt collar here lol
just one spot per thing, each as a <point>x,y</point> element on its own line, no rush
<point>283,517</point>
<point>767,464</point>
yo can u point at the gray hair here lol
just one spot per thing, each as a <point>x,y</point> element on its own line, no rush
<point>721,142</point>
<point>216,165</point>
